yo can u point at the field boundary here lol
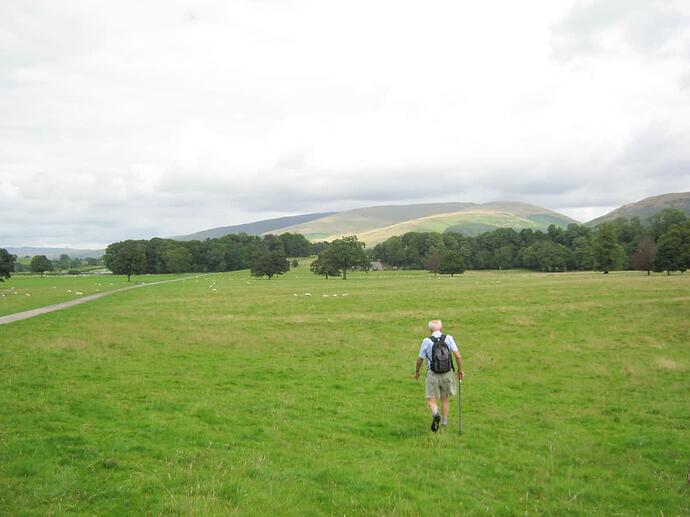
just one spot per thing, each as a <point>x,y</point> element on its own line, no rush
<point>18,316</point>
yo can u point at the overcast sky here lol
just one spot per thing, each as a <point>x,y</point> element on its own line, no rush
<point>138,119</point>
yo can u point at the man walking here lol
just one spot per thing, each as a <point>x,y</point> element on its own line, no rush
<point>440,381</point>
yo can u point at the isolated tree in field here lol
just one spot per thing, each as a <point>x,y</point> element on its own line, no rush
<point>672,250</point>
<point>270,264</point>
<point>433,261</point>
<point>346,254</point>
<point>64,262</point>
<point>126,258</point>
<point>643,258</point>
<point>607,252</point>
<point>322,266</point>
<point>7,262</point>
<point>451,263</point>
<point>41,264</point>
<point>294,263</point>
<point>177,260</point>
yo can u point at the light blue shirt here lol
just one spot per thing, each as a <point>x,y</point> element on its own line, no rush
<point>425,349</point>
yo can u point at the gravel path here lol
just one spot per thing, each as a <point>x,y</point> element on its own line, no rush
<point>10,318</point>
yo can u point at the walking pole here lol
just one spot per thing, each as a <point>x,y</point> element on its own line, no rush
<point>460,407</point>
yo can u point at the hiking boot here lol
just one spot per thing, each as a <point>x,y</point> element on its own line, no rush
<point>434,423</point>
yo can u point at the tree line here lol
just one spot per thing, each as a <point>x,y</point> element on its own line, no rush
<point>267,254</point>
<point>41,264</point>
<point>660,243</point>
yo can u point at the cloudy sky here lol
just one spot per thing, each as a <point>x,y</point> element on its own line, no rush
<point>139,119</point>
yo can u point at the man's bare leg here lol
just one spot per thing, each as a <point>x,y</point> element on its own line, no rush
<point>445,405</point>
<point>433,406</point>
<point>434,411</point>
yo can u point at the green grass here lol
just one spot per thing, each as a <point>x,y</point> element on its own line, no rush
<point>178,399</point>
<point>24,292</point>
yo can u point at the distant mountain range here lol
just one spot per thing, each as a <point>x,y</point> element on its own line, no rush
<point>375,224</point>
<point>53,253</point>
<point>255,228</point>
<point>647,207</point>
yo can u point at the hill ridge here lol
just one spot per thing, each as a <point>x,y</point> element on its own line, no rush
<point>646,207</point>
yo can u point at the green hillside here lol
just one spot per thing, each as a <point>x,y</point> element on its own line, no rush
<point>376,224</point>
<point>468,223</point>
<point>370,218</point>
<point>647,207</point>
<point>255,228</point>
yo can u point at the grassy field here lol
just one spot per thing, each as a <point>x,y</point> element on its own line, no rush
<point>227,394</point>
<point>24,292</point>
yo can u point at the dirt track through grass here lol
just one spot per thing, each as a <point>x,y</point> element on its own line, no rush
<point>18,316</point>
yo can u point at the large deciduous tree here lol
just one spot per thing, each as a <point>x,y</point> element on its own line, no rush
<point>322,266</point>
<point>126,258</point>
<point>7,262</point>
<point>643,258</point>
<point>64,262</point>
<point>346,254</point>
<point>433,261</point>
<point>673,249</point>
<point>450,263</point>
<point>41,264</point>
<point>270,263</point>
<point>607,252</point>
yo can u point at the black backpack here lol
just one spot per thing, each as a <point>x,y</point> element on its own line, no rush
<point>441,361</point>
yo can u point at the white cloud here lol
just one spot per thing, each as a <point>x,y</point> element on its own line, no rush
<point>163,118</point>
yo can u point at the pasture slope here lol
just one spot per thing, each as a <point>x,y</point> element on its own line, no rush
<point>231,395</point>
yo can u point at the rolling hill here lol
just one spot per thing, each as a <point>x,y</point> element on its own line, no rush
<point>375,224</point>
<point>647,207</point>
<point>255,228</point>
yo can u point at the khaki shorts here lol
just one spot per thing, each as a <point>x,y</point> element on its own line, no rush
<point>440,385</point>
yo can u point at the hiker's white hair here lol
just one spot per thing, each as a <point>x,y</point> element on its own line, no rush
<point>435,325</point>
